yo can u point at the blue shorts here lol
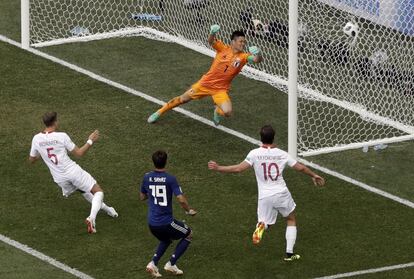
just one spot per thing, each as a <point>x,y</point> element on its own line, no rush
<point>173,231</point>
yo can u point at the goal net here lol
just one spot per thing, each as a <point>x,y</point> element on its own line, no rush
<point>355,57</point>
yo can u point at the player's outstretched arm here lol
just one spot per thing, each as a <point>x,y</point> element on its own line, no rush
<point>317,180</point>
<point>234,168</point>
<point>33,160</point>
<point>256,56</point>
<point>79,152</point>
<point>213,31</point>
<point>184,204</point>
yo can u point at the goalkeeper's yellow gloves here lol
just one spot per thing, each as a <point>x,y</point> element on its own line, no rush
<point>214,29</point>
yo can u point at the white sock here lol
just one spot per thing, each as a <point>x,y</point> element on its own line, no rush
<point>291,233</point>
<point>89,197</point>
<point>96,204</point>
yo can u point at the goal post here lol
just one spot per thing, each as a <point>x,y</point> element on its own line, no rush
<point>25,23</point>
<point>350,63</point>
<point>293,78</point>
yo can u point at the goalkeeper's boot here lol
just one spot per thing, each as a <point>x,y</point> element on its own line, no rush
<point>173,269</point>
<point>217,118</point>
<point>291,257</point>
<point>258,233</point>
<point>90,225</point>
<point>153,117</point>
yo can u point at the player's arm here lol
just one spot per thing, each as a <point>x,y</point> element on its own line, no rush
<point>79,152</point>
<point>233,168</point>
<point>256,55</point>
<point>182,200</point>
<point>317,180</point>
<point>34,154</point>
<point>213,31</point>
<point>33,160</point>
<point>211,39</point>
<point>143,196</point>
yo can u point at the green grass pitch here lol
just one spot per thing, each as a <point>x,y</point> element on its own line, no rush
<point>341,228</point>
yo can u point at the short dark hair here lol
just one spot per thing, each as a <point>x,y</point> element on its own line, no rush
<point>236,34</point>
<point>267,134</point>
<point>160,159</point>
<point>49,118</point>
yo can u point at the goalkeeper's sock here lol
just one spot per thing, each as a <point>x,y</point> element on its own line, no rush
<point>175,102</point>
<point>218,116</point>
<point>219,111</point>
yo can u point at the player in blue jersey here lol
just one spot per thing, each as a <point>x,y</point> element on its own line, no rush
<point>159,187</point>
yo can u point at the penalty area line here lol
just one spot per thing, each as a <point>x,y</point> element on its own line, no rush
<point>44,258</point>
<point>368,271</point>
<point>203,120</point>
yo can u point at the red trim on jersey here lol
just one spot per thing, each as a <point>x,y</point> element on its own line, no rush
<point>268,146</point>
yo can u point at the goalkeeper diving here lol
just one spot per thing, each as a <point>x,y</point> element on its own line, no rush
<point>228,62</point>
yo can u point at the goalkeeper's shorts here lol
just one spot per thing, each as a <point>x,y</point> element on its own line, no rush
<point>219,96</point>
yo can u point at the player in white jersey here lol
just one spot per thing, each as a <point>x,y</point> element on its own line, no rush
<point>274,197</point>
<point>52,147</point>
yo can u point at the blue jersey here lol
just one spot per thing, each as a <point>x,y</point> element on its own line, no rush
<point>159,187</point>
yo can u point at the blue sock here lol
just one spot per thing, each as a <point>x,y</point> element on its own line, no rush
<point>179,250</point>
<point>162,247</point>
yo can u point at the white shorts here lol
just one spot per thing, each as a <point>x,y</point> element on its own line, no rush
<point>77,179</point>
<point>268,207</point>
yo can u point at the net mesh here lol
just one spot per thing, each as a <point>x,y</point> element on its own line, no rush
<point>356,70</point>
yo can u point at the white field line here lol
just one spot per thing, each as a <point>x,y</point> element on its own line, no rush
<point>358,183</point>
<point>44,258</point>
<point>205,121</point>
<point>222,128</point>
<point>368,271</point>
